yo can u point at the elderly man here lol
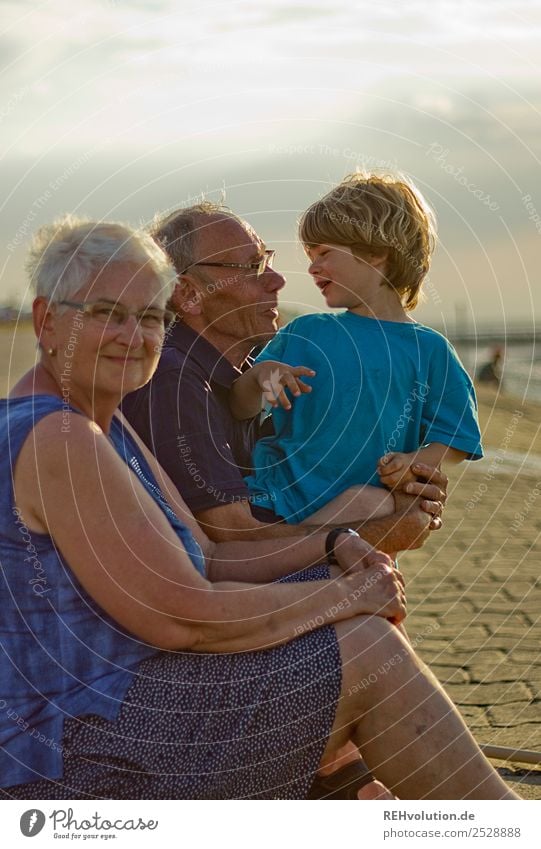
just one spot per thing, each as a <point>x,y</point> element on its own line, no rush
<point>226,301</point>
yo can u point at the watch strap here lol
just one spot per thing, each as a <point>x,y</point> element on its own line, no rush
<point>330,542</point>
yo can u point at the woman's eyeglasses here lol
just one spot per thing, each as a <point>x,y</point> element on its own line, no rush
<point>148,318</point>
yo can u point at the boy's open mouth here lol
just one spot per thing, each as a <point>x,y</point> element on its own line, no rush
<point>322,284</point>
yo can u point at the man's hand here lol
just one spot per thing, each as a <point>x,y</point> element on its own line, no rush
<point>414,521</point>
<point>402,472</point>
<point>420,506</point>
<point>431,486</point>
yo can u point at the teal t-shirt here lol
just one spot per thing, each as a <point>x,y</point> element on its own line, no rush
<point>379,386</point>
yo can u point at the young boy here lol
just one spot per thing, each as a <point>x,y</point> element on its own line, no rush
<point>387,391</point>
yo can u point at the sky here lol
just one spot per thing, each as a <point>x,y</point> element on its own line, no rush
<point>123,108</point>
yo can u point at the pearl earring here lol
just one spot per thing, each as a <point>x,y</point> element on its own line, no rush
<point>51,352</point>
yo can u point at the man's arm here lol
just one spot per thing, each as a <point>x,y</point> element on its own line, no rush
<point>233,559</point>
<point>406,528</point>
<point>174,418</point>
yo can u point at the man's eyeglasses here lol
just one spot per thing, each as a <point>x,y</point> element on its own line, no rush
<point>103,312</point>
<point>259,267</point>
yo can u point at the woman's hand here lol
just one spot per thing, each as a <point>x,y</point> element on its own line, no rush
<point>273,378</point>
<point>376,585</point>
<point>355,554</point>
<point>376,590</point>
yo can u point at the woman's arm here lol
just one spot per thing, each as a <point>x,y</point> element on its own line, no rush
<point>124,552</point>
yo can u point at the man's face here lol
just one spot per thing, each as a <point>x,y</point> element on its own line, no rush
<point>236,303</point>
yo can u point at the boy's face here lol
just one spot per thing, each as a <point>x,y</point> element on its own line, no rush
<point>344,279</point>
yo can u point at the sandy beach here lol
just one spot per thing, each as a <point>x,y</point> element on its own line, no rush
<point>474,590</point>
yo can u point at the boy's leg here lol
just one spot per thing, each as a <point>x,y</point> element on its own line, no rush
<point>356,504</point>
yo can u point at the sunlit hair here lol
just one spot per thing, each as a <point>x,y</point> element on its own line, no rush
<point>178,232</point>
<point>373,214</point>
<point>71,252</point>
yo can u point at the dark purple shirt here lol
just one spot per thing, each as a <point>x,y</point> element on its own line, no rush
<point>183,416</point>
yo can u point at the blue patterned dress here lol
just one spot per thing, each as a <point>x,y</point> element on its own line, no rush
<point>87,710</point>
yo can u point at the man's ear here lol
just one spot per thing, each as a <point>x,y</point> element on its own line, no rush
<point>44,325</point>
<point>187,296</point>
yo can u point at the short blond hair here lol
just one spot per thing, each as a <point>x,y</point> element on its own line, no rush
<point>372,214</point>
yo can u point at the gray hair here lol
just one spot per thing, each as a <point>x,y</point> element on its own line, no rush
<point>72,251</point>
<point>177,232</point>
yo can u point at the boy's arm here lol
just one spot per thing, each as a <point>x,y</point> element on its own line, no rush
<point>265,384</point>
<point>394,469</point>
<point>245,400</point>
<point>436,453</point>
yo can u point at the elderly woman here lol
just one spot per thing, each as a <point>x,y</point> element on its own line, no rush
<point>142,661</point>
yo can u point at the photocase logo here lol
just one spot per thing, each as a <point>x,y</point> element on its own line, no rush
<point>272,387</point>
<point>32,822</point>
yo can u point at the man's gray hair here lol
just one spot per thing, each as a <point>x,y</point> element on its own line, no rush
<point>177,232</point>
<point>70,252</point>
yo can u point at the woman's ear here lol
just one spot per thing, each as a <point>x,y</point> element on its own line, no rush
<point>44,323</point>
<point>186,298</point>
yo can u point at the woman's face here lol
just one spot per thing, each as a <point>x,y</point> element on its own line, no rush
<point>96,356</point>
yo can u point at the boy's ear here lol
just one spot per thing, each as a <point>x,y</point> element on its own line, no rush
<point>187,296</point>
<point>378,260</point>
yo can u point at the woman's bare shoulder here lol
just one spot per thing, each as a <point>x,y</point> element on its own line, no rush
<point>56,443</point>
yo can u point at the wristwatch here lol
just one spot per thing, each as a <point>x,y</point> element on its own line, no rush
<point>330,542</point>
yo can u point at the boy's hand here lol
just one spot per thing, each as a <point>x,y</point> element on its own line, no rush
<point>274,378</point>
<point>394,469</point>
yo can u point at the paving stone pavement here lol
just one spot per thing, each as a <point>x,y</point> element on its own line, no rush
<point>474,612</point>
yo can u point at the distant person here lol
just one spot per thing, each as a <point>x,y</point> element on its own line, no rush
<point>387,392</point>
<point>491,371</point>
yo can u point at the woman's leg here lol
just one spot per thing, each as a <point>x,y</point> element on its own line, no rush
<point>331,765</point>
<point>409,732</point>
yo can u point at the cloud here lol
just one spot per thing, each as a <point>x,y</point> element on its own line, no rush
<point>151,69</point>
<point>276,100</point>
